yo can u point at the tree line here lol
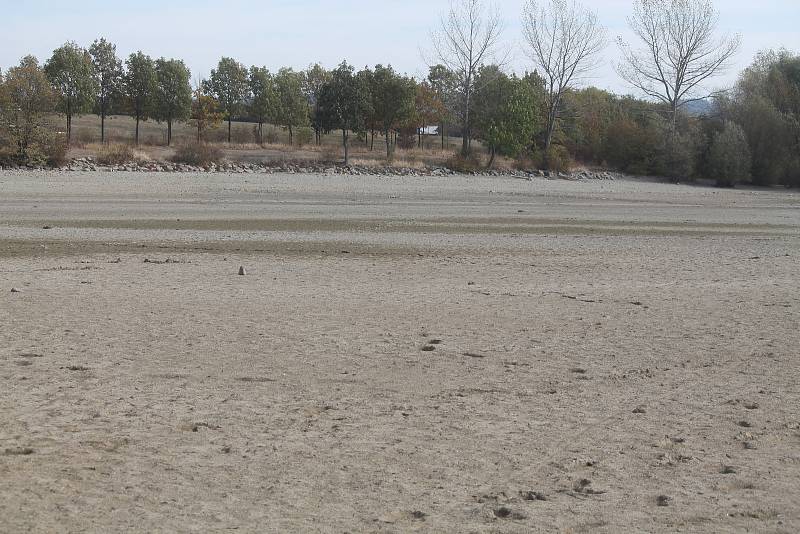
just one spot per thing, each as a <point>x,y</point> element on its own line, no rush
<point>542,118</point>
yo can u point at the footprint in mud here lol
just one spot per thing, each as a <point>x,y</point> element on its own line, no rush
<point>507,513</point>
<point>194,427</point>
<point>255,379</point>
<point>533,495</point>
<point>18,451</point>
<point>583,486</point>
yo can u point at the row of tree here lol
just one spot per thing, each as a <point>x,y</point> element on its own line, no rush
<point>542,117</point>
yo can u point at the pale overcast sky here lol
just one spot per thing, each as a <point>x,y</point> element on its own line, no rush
<point>297,33</point>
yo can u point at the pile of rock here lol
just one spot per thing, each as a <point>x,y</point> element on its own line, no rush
<point>88,164</point>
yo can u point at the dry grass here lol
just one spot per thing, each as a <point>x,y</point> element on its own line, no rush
<point>120,130</point>
<point>118,154</point>
<point>202,154</point>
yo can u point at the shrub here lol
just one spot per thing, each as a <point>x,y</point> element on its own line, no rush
<point>729,156</point>
<point>7,154</point>
<point>54,149</point>
<point>200,154</point>
<point>48,150</point>
<point>526,161</point>
<point>466,164</point>
<point>116,154</point>
<point>557,159</point>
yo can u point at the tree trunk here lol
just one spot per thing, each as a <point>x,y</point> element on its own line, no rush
<point>261,134</point>
<point>465,135</point>
<point>102,127</point>
<point>552,117</point>
<point>137,130</point>
<point>673,141</point>
<point>69,128</point>
<point>198,131</point>
<point>388,147</point>
<point>169,132</point>
<point>372,141</point>
<point>229,130</point>
<point>344,142</point>
<point>442,132</point>
<point>291,136</point>
<point>492,153</point>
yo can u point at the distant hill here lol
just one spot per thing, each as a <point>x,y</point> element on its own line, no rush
<point>700,107</point>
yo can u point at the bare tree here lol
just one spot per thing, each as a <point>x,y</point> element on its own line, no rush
<point>680,51</point>
<point>468,38</point>
<point>562,36</point>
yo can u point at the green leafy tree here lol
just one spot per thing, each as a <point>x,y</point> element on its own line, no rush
<point>140,86</point>
<point>292,108</point>
<point>766,104</point>
<point>108,73</point>
<point>445,84</point>
<point>264,98</point>
<point>585,124</point>
<point>506,112</point>
<point>392,100</point>
<point>468,38</point>
<point>345,104</point>
<point>428,109</point>
<point>205,113</point>
<point>729,156</point>
<point>229,84</point>
<point>314,78</point>
<point>173,96</point>
<point>71,72</point>
<point>27,97</point>
<point>563,38</point>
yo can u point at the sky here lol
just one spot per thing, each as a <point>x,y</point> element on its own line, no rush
<point>297,33</point>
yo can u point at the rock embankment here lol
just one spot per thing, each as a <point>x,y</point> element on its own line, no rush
<point>89,164</point>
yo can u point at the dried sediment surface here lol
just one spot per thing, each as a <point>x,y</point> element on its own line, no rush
<point>432,354</point>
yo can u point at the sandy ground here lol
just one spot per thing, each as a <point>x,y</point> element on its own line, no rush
<point>403,355</point>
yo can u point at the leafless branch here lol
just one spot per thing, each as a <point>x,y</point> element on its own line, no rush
<point>679,50</point>
<point>562,37</point>
<point>468,37</point>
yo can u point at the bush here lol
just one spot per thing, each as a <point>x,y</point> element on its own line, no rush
<point>465,164</point>
<point>557,159</point>
<point>48,150</point>
<point>199,154</point>
<point>7,154</point>
<point>729,156</point>
<point>54,150</point>
<point>116,154</point>
<point>526,161</point>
